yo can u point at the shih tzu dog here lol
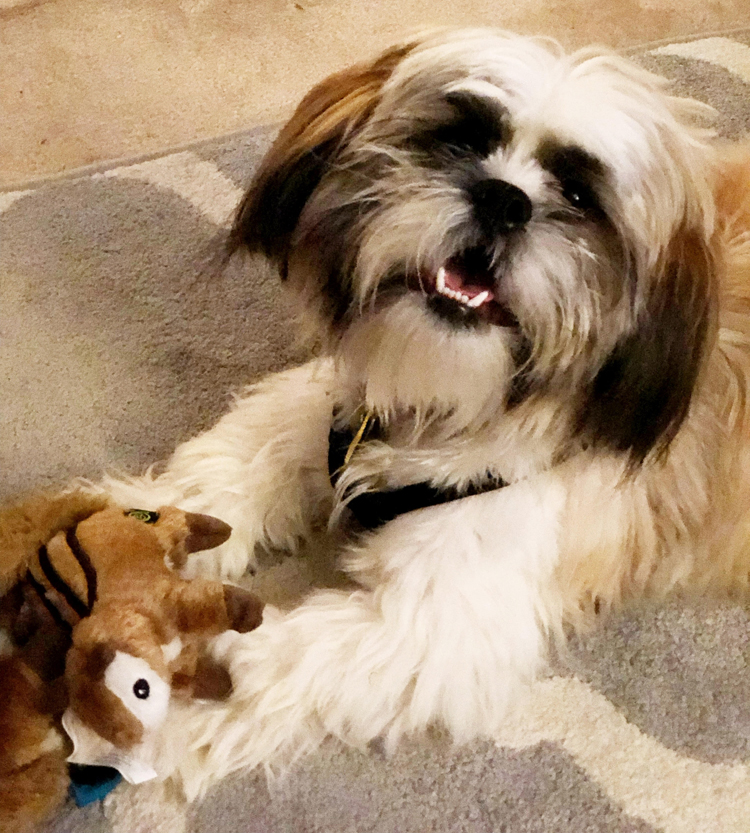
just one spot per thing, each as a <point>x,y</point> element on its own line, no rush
<point>528,277</point>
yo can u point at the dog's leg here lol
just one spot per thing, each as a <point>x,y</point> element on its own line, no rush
<point>452,621</point>
<point>262,468</point>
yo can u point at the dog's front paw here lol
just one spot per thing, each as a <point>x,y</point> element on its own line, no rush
<point>229,562</point>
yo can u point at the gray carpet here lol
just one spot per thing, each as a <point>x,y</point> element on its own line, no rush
<point>123,333</point>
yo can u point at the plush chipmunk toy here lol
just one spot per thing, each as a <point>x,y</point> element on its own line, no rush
<point>100,633</point>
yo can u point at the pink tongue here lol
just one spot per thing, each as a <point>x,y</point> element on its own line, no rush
<point>457,279</point>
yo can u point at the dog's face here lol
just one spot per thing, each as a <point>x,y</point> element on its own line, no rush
<point>478,222</point>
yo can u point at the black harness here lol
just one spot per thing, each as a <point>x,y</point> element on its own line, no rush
<point>374,509</point>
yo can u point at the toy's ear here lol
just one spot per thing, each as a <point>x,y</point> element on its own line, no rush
<point>205,532</point>
<point>210,681</point>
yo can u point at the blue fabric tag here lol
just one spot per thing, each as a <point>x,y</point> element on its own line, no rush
<point>91,783</point>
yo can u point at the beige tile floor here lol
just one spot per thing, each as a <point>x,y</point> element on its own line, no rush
<point>82,81</point>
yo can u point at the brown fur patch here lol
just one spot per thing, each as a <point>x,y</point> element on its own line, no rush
<point>94,703</point>
<point>324,121</point>
<point>197,606</point>
<point>23,725</point>
<point>29,795</point>
<point>684,523</point>
<point>35,520</point>
<point>642,394</point>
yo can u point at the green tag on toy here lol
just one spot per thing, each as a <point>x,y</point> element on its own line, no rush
<point>143,515</point>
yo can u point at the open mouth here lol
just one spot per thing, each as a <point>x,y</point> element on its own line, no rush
<point>463,290</point>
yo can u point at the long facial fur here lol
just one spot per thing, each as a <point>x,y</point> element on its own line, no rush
<point>367,190</point>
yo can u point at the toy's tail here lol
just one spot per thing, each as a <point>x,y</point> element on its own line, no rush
<point>33,521</point>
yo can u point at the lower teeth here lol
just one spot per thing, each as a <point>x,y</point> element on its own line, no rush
<point>472,303</point>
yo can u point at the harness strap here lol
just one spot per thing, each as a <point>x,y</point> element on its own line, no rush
<point>374,509</point>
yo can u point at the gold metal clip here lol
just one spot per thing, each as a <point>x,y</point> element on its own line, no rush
<point>358,437</point>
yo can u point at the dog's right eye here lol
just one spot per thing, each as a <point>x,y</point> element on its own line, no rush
<point>477,127</point>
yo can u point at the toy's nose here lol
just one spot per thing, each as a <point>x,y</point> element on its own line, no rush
<point>205,532</point>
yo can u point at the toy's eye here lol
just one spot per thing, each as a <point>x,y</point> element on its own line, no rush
<point>142,689</point>
<point>144,515</point>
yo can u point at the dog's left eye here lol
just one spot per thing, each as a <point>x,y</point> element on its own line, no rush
<point>577,173</point>
<point>580,196</point>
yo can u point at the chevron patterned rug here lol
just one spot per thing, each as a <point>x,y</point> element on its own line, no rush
<point>121,335</point>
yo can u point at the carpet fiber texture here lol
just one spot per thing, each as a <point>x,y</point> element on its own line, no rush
<point>122,332</point>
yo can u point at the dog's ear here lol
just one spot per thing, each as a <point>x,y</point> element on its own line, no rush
<point>326,119</point>
<point>642,393</point>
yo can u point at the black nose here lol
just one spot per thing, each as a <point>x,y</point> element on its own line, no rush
<point>499,206</point>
